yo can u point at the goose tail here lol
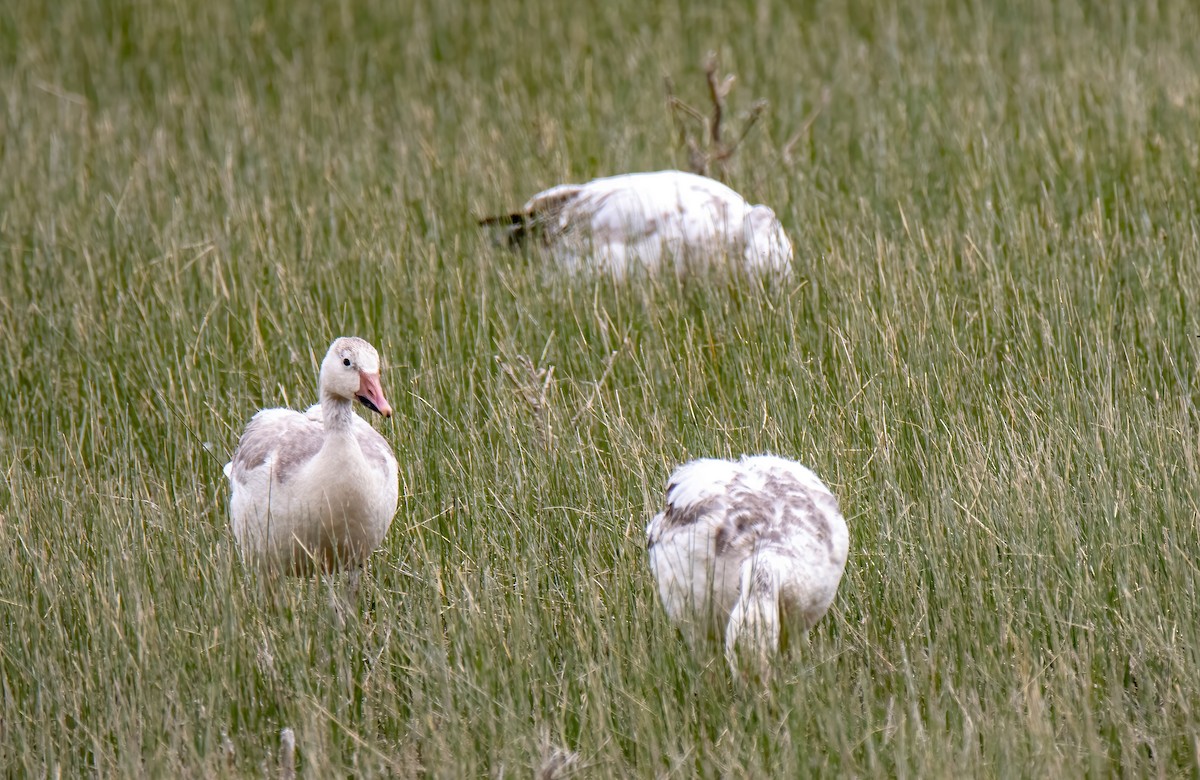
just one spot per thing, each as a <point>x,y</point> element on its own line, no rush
<point>752,634</point>
<point>509,230</point>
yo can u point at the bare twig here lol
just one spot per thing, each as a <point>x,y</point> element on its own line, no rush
<point>708,147</point>
<point>675,104</point>
<point>697,159</point>
<point>759,108</point>
<point>718,90</point>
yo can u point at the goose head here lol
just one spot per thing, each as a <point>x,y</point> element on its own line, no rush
<point>350,372</point>
<point>766,243</point>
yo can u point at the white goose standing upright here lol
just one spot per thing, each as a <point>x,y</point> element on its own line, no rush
<point>747,550</point>
<point>617,222</point>
<point>317,490</point>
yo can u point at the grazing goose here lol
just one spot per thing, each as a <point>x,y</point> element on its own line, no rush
<point>748,550</point>
<point>317,490</point>
<point>612,223</point>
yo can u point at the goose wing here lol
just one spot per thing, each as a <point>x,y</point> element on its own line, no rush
<point>276,442</point>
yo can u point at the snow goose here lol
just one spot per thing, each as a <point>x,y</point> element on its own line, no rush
<point>614,223</point>
<point>750,550</point>
<point>317,490</point>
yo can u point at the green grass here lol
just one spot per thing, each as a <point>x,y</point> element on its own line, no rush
<point>989,350</point>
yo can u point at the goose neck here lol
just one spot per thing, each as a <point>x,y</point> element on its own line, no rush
<point>336,412</point>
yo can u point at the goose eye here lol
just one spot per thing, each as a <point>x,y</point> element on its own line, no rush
<point>345,361</point>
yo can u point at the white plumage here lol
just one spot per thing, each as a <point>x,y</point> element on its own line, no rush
<point>318,489</point>
<point>616,223</point>
<point>750,551</point>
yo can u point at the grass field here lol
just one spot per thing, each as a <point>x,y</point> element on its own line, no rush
<point>989,350</point>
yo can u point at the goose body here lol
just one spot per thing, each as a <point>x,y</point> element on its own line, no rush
<point>615,223</point>
<point>750,551</point>
<point>317,489</point>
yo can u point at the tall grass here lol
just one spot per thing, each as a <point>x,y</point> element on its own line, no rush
<point>989,350</point>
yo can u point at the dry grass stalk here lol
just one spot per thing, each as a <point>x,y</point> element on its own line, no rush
<point>287,754</point>
<point>532,386</point>
<point>805,126</point>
